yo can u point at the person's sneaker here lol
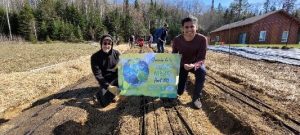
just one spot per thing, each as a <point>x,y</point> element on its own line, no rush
<point>197,103</point>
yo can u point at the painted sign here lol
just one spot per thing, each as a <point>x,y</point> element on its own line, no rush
<point>149,74</point>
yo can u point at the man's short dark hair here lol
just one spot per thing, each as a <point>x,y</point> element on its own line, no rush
<point>192,19</point>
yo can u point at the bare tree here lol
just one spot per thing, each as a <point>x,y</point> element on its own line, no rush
<point>212,8</point>
<point>288,5</point>
<point>7,17</point>
<point>267,6</point>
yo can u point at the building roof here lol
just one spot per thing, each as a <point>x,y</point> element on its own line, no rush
<point>249,21</point>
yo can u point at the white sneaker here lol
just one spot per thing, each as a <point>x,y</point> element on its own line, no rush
<point>197,103</point>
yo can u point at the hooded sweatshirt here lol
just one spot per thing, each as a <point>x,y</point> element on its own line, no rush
<point>104,67</point>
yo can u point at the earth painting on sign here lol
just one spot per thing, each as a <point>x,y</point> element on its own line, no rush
<point>135,72</point>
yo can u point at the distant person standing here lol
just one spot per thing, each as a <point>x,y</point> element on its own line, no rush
<point>192,46</point>
<point>117,40</point>
<point>131,41</point>
<point>150,41</point>
<point>161,37</point>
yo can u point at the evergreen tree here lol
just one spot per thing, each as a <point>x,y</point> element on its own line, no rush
<point>73,15</point>
<point>56,30</point>
<point>127,27</point>
<point>59,8</point>
<point>26,23</point>
<point>46,11</point>
<point>3,20</point>
<point>43,32</point>
<point>78,33</point>
<point>14,19</point>
<point>45,15</point>
<point>94,27</point>
<point>111,22</point>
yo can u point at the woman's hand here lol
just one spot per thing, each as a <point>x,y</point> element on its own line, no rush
<point>113,89</point>
<point>188,66</point>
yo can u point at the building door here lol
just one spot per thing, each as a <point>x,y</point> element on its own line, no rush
<point>242,38</point>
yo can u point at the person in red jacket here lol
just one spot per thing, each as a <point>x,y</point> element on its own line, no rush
<point>192,46</point>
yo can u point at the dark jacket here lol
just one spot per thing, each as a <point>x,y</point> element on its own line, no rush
<point>104,67</point>
<point>164,35</point>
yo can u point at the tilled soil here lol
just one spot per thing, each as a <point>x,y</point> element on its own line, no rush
<point>275,85</point>
<point>224,111</point>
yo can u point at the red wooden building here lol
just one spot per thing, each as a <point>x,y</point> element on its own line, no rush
<point>277,27</point>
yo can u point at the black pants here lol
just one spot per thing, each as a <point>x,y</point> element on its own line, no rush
<point>200,79</point>
<point>131,44</point>
<point>160,47</point>
<point>106,98</point>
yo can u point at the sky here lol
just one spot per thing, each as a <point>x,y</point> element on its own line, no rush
<point>226,3</point>
<point>207,3</point>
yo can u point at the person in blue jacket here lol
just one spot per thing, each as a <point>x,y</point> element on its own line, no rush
<point>161,37</point>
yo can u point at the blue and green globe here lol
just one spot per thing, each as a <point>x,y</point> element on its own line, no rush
<point>135,72</point>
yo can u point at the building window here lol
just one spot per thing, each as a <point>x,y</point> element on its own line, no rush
<point>262,36</point>
<point>284,36</point>
<point>217,38</point>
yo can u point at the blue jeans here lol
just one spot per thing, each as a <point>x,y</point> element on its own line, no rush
<point>200,79</point>
<point>160,47</point>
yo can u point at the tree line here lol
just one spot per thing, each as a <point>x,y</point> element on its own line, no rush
<point>82,20</point>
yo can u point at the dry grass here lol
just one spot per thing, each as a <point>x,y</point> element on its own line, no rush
<point>19,88</point>
<point>19,57</point>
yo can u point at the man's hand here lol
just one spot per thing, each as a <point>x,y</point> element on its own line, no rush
<point>198,64</point>
<point>162,40</point>
<point>113,89</point>
<point>188,66</point>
